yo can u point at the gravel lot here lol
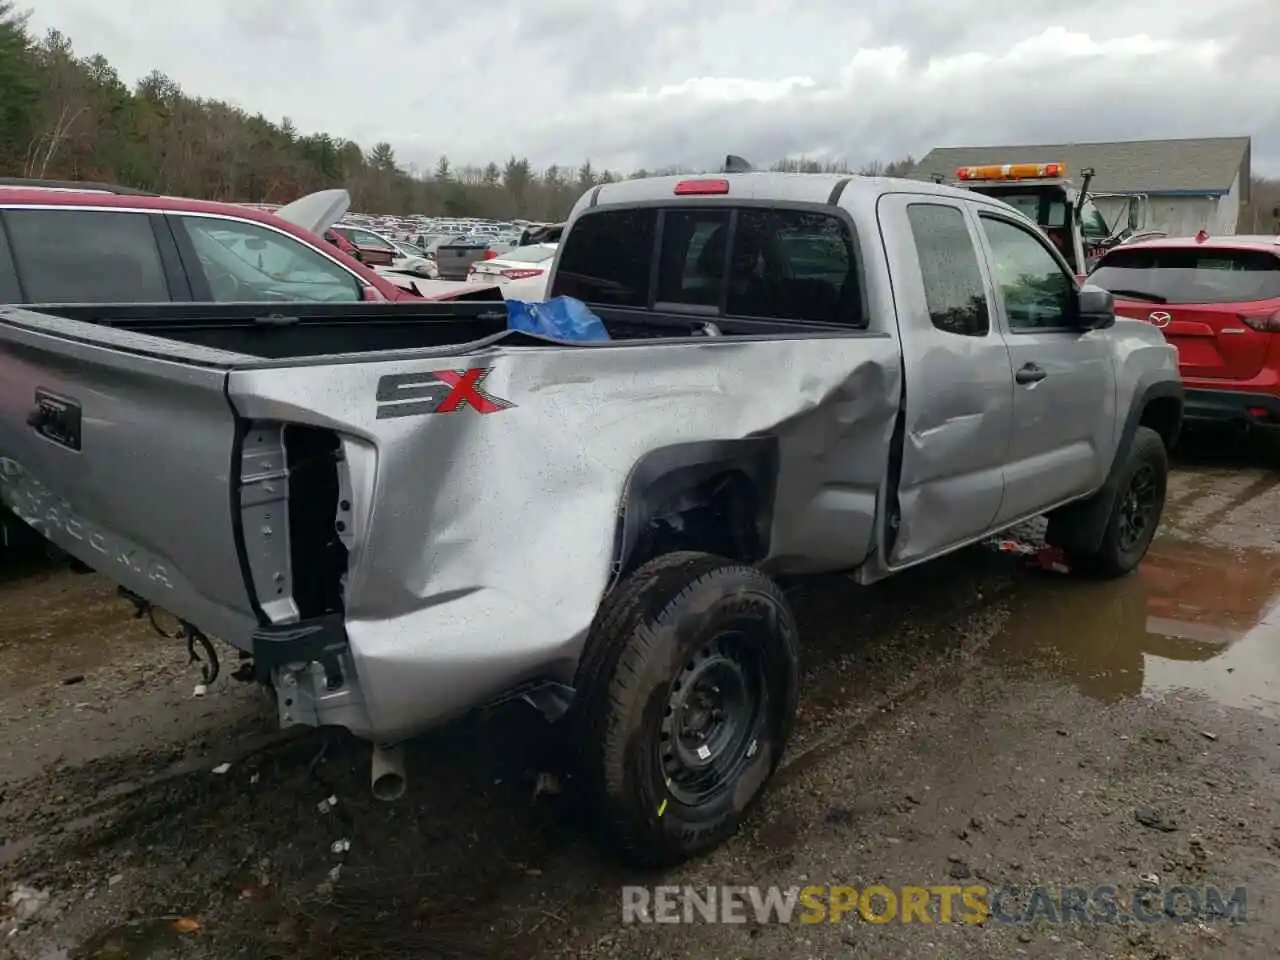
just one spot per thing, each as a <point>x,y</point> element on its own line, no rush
<point>975,721</point>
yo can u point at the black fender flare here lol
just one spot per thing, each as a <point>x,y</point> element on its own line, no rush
<point>1081,525</point>
<point>661,474</point>
<point>1148,388</point>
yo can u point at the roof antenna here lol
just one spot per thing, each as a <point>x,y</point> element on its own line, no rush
<point>735,164</point>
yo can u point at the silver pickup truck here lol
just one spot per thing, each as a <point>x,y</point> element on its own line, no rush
<point>405,511</point>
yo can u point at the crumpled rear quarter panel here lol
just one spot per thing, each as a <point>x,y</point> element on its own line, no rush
<point>484,542</point>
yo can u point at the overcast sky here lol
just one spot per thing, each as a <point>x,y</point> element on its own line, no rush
<point>658,82</point>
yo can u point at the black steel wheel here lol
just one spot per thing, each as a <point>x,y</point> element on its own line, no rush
<point>1136,507</point>
<point>714,715</point>
<point>686,695</point>
<point>1139,509</point>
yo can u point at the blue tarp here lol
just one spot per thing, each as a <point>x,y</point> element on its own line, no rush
<point>563,318</point>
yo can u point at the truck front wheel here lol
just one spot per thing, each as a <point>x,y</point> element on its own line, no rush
<point>688,689</point>
<point>1135,510</point>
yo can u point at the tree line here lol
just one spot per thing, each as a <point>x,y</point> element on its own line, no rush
<point>70,117</point>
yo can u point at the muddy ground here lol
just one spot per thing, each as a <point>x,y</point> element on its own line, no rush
<point>975,719</point>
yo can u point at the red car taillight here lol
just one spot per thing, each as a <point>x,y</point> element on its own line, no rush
<point>514,274</point>
<point>1263,323</point>
<point>490,255</point>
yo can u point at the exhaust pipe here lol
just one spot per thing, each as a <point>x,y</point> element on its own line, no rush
<point>386,772</point>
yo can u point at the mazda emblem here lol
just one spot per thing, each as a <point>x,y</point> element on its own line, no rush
<point>1160,318</point>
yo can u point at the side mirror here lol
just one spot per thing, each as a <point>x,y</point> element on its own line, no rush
<point>1095,308</point>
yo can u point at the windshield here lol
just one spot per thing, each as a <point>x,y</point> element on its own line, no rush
<point>1045,206</point>
<point>1182,275</point>
<point>1093,225</point>
<point>1028,204</point>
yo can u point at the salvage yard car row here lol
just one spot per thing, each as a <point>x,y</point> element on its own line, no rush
<point>802,374</point>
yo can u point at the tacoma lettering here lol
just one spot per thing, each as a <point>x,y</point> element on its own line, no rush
<point>54,519</point>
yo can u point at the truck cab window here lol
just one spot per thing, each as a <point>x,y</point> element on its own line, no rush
<point>1036,290</point>
<point>605,258</point>
<point>86,256</point>
<point>794,265</point>
<point>247,263</point>
<point>691,261</point>
<point>949,269</point>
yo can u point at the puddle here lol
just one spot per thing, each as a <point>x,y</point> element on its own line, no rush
<point>1193,618</point>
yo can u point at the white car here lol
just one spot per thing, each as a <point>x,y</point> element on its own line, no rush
<point>522,273</point>
<point>411,259</point>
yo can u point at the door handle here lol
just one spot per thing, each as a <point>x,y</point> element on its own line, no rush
<point>1030,373</point>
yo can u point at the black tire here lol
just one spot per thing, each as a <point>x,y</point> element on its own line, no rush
<point>1135,513</point>
<point>680,617</point>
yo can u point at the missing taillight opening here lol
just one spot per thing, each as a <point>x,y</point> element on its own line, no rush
<point>315,519</point>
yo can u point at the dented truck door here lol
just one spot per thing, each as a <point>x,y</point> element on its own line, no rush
<point>124,458</point>
<point>959,385</point>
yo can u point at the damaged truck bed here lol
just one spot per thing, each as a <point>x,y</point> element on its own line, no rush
<point>402,512</point>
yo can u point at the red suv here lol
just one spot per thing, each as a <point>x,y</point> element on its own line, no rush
<point>97,243</point>
<point>1218,301</point>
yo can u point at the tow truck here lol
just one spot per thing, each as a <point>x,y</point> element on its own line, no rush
<point>1066,213</point>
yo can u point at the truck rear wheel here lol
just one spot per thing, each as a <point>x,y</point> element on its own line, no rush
<point>1135,511</point>
<point>688,689</point>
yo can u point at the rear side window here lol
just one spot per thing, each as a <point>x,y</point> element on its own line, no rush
<point>949,268</point>
<point>1189,275</point>
<point>793,265</point>
<point>248,263</point>
<point>86,256</point>
<point>606,256</point>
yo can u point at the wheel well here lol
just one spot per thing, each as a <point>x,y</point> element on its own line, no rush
<point>711,496</point>
<point>1164,416</point>
<point>723,513</point>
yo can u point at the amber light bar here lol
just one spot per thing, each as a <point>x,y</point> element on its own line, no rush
<point>1013,171</point>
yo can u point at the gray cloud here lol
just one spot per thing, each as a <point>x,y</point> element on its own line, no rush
<point>684,82</point>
